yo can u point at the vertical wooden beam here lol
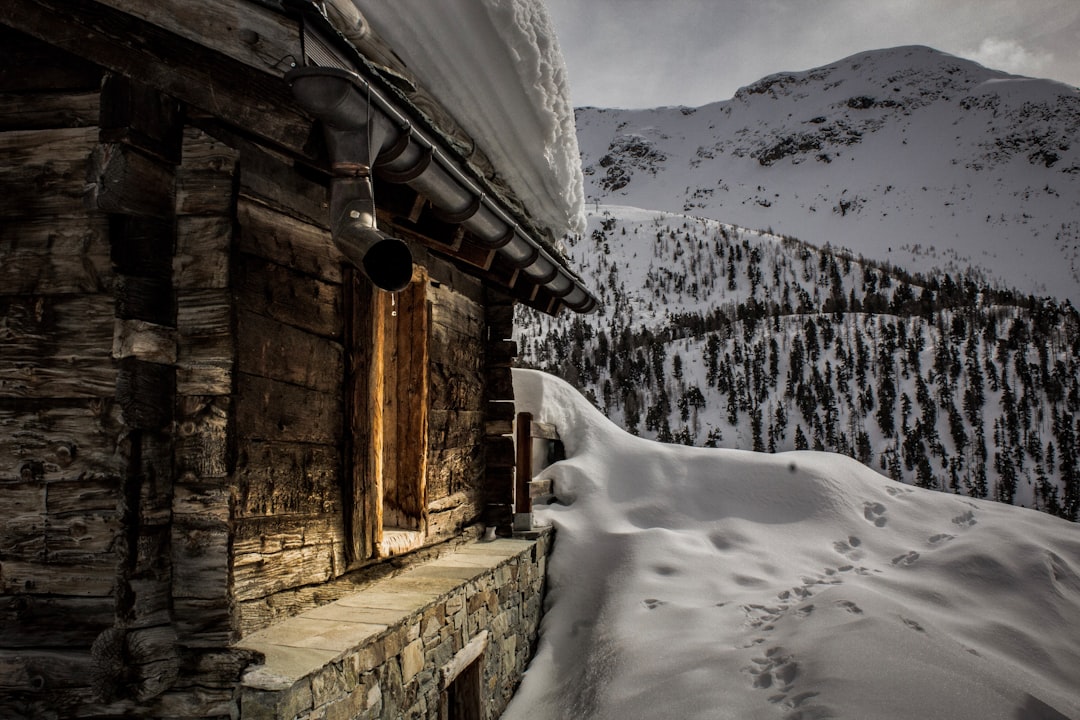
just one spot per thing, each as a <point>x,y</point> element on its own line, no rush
<point>360,492</point>
<point>523,468</point>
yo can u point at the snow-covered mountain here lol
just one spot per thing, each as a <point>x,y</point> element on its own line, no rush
<point>908,156</point>
<point>927,328</point>
<point>694,583</point>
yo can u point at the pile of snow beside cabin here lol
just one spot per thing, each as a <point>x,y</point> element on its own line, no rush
<point>496,67</point>
<point>706,583</point>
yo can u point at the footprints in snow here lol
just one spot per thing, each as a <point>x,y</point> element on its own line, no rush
<point>906,560</point>
<point>874,512</point>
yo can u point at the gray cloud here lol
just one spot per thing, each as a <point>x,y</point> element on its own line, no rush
<point>643,53</point>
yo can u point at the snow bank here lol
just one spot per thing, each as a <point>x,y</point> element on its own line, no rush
<point>497,68</point>
<point>696,583</point>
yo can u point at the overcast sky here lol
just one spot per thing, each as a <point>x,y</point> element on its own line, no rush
<point>647,53</point>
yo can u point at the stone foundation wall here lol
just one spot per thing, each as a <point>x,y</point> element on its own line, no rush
<point>391,650</point>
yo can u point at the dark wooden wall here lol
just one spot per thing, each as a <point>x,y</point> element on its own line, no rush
<point>174,431</point>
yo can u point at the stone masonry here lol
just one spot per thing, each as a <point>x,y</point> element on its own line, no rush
<point>390,650</point>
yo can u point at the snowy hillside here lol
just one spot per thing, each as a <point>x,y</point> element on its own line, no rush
<point>907,155</point>
<point>698,583</point>
<point>713,335</point>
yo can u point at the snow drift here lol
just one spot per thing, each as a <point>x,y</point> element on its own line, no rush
<point>697,583</point>
<point>495,65</point>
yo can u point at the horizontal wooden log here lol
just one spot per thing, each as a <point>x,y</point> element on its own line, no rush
<point>37,621</point>
<point>500,321</point>
<point>60,439</point>
<point>288,242</point>
<point>45,257</point>
<point>200,557</point>
<point>498,427</point>
<point>126,181</point>
<point>206,178</point>
<point>203,246</point>
<point>288,479</point>
<point>277,351</point>
<point>453,428</point>
<point>499,410</point>
<point>33,66</point>
<point>270,179</point>
<point>452,389</point>
<point>71,574</point>
<point>453,470</point>
<point>145,392</point>
<point>448,521</point>
<point>201,442</point>
<point>137,115</point>
<point>499,384</point>
<point>456,313</point>
<point>277,411</point>
<point>45,671</point>
<point>48,110</point>
<point>499,452</point>
<point>288,296</point>
<point>203,621</point>
<point>500,353</point>
<point>276,554</point>
<point>144,340</point>
<point>206,345</point>
<point>43,172</point>
<point>246,97</point>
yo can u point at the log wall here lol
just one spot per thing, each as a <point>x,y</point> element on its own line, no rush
<point>64,452</point>
<point>178,443</point>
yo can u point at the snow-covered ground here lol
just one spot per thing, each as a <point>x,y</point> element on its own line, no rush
<point>698,583</point>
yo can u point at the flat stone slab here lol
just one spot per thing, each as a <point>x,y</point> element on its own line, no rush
<point>300,646</point>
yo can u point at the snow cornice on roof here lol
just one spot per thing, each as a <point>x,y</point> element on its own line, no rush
<point>411,149</point>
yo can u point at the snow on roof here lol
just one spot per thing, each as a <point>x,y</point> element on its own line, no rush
<point>496,67</point>
<point>704,583</point>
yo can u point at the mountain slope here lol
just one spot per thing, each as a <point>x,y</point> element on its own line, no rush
<point>906,155</point>
<point>709,334</point>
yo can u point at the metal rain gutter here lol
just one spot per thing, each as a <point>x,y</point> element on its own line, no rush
<point>354,111</point>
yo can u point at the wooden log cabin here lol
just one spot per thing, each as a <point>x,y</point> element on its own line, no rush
<point>255,394</point>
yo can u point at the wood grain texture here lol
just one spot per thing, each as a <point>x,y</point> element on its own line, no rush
<point>44,172</point>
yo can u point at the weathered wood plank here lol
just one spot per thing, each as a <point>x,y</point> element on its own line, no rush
<point>43,172</point>
<point>273,350</point>
<point>201,448</point>
<point>60,439</point>
<point>200,557</point>
<point>206,350</point>
<point>244,31</point>
<point>137,115</point>
<point>71,574</point>
<point>28,621</point>
<point>360,494</point>
<point>250,98</point>
<point>454,388</point>
<point>455,428</point>
<point>276,554</point>
<point>144,340</point>
<point>43,111</point>
<point>203,245</point>
<point>289,297</point>
<point>448,516</point>
<point>288,242</point>
<point>288,479</point>
<point>206,178</point>
<point>453,470</point>
<point>126,181</point>
<point>500,321</point>
<point>48,257</point>
<point>271,410</point>
<point>270,179</point>
<point>31,65</point>
<point>145,392</point>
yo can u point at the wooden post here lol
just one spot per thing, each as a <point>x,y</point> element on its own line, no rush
<point>523,473</point>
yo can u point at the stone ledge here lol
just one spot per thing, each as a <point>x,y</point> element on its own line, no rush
<point>396,617</point>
